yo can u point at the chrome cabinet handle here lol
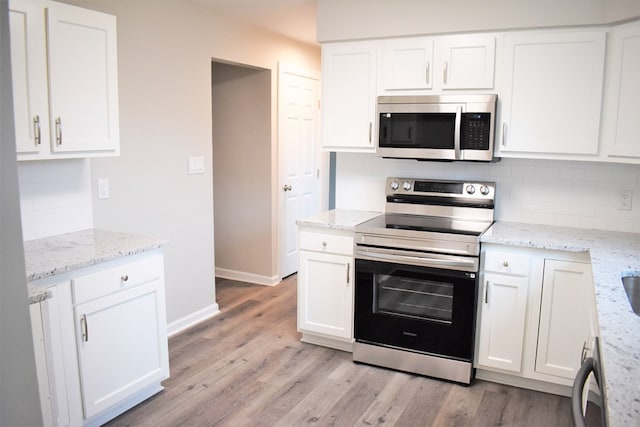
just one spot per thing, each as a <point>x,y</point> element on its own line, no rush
<point>324,244</point>
<point>287,187</point>
<point>125,278</point>
<point>58,131</point>
<point>370,132</point>
<point>445,72</point>
<point>37,135</point>
<point>505,263</point>
<point>84,327</point>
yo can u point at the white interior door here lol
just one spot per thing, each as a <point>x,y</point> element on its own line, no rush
<point>298,154</point>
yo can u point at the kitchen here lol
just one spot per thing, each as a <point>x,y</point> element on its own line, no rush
<point>141,95</point>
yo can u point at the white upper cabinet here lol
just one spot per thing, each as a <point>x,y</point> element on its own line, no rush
<point>29,74</point>
<point>437,63</point>
<point>621,125</point>
<point>406,64</point>
<point>552,94</point>
<point>467,62</point>
<point>64,64</point>
<point>348,96</point>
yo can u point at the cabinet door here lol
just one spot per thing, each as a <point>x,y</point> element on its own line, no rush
<point>122,346</point>
<point>29,75</point>
<point>468,62</point>
<point>348,97</point>
<point>565,317</point>
<point>622,112</point>
<point>553,91</point>
<point>407,64</point>
<point>83,79</point>
<point>503,313</point>
<point>325,294</point>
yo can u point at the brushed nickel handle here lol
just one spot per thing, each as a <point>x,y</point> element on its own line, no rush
<point>370,132</point>
<point>504,135</point>
<point>324,244</point>
<point>486,292</point>
<point>445,72</point>
<point>428,71</point>
<point>287,187</point>
<point>37,134</point>
<point>84,327</point>
<point>348,272</point>
<point>58,131</point>
<point>505,263</point>
<point>124,278</point>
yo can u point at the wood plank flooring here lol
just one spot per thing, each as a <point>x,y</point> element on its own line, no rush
<point>247,367</point>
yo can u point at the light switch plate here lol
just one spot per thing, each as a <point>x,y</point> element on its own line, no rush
<point>196,165</point>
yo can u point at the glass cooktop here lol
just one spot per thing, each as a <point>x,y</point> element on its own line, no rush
<point>427,223</point>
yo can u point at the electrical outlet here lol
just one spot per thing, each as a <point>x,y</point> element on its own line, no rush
<point>625,197</point>
<point>103,188</point>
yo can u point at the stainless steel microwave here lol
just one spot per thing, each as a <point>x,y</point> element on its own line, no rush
<point>437,127</point>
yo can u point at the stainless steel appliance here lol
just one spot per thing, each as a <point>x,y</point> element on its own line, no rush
<point>437,127</point>
<point>417,277</point>
<point>581,396</point>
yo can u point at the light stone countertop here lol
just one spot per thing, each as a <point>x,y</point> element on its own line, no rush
<point>613,255</point>
<point>56,255</point>
<point>338,219</point>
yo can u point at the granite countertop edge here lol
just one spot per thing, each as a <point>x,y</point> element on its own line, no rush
<point>613,256</point>
<point>338,219</point>
<point>64,253</point>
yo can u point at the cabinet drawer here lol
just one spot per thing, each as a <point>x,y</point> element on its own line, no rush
<point>113,279</point>
<point>329,243</point>
<point>506,262</point>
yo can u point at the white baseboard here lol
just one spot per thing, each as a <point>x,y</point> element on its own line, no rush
<point>192,319</point>
<point>247,277</point>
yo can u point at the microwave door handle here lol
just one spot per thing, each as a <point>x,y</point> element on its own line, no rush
<point>456,133</point>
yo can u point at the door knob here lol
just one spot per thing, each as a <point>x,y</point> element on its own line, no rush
<point>287,187</point>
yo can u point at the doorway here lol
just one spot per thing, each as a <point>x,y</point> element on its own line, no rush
<point>242,173</point>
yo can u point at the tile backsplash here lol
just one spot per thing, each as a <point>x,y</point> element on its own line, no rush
<point>564,193</point>
<point>55,197</point>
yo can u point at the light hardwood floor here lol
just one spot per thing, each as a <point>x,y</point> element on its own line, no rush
<point>247,367</point>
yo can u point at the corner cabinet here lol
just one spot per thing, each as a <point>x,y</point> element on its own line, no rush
<point>552,94</point>
<point>325,287</point>
<point>65,81</point>
<point>535,312</point>
<point>104,339</point>
<point>349,96</point>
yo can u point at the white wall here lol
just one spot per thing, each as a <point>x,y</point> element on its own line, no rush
<point>165,49</point>
<point>573,194</point>
<point>360,19</point>
<point>55,197</point>
<point>19,402</point>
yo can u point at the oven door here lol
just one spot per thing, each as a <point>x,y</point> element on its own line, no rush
<point>424,309</point>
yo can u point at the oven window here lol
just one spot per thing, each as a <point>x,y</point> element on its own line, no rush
<point>414,298</point>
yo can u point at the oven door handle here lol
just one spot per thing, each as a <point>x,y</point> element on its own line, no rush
<point>422,261</point>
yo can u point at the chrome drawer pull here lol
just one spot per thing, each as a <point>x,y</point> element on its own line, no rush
<point>84,327</point>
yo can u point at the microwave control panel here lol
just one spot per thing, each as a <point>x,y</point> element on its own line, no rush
<point>474,132</point>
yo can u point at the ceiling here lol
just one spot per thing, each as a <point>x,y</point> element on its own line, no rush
<point>292,18</point>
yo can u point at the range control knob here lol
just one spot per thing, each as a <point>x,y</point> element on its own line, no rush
<point>471,189</point>
<point>406,185</point>
<point>484,190</point>
<point>394,185</point>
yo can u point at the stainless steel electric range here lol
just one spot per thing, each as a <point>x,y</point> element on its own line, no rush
<point>417,277</point>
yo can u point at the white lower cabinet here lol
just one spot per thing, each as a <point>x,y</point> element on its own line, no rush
<point>325,288</point>
<point>105,337</point>
<point>566,317</point>
<point>536,309</point>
